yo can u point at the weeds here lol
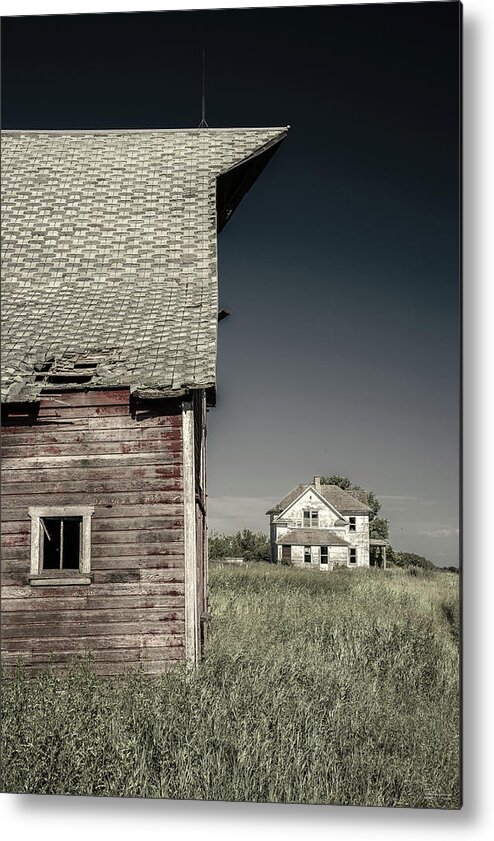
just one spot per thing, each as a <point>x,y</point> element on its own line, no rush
<point>338,688</point>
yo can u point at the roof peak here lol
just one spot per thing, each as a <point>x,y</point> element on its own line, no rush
<point>140,130</point>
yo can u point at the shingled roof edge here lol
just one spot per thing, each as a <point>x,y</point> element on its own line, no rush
<point>63,132</point>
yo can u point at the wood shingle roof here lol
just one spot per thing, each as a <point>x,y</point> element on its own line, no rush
<point>109,253</point>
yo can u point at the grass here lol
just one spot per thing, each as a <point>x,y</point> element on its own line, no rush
<point>336,688</point>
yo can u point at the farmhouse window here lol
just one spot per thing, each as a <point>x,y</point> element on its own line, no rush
<point>324,555</point>
<point>311,518</point>
<point>307,555</point>
<point>353,556</point>
<point>286,553</point>
<point>353,523</point>
<point>60,545</point>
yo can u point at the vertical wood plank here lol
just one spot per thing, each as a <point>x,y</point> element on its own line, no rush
<point>191,623</point>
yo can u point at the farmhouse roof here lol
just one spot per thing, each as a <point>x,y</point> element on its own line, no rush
<point>287,500</point>
<point>312,537</point>
<point>344,502</point>
<point>109,254</point>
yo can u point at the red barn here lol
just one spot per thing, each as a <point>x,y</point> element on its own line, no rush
<point>110,312</point>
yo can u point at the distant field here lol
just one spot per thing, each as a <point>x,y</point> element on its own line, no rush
<point>317,687</point>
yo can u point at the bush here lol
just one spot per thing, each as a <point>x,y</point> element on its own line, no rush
<point>407,559</point>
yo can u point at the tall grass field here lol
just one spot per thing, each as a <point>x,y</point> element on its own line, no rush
<point>330,688</point>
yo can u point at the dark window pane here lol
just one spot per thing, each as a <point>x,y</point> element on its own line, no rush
<point>71,543</point>
<point>61,542</point>
<point>50,534</point>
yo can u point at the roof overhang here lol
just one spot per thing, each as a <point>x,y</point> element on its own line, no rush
<point>317,537</point>
<point>232,185</point>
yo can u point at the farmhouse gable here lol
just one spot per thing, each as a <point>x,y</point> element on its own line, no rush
<point>311,499</point>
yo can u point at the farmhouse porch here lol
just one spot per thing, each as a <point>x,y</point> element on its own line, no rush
<point>377,552</point>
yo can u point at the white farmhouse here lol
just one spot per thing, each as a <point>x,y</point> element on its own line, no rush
<point>323,526</point>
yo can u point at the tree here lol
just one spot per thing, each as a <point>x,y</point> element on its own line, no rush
<point>218,545</point>
<point>244,544</point>
<point>342,481</point>
<point>378,526</point>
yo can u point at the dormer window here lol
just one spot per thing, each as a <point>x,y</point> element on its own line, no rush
<point>353,523</point>
<point>311,519</point>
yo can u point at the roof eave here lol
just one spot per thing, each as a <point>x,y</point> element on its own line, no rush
<point>234,183</point>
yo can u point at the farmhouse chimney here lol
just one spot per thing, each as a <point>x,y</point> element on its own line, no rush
<point>317,482</point>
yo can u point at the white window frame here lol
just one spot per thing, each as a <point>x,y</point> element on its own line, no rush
<point>350,562</point>
<point>313,516</point>
<point>353,523</point>
<point>38,576</point>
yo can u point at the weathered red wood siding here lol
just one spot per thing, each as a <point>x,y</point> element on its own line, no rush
<point>133,612</point>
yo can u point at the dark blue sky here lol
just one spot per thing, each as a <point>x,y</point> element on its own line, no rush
<point>340,267</point>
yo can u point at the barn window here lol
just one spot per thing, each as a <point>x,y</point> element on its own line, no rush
<point>353,556</point>
<point>60,545</point>
<point>311,518</point>
<point>324,555</point>
<point>353,523</point>
<point>307,555</point>
<point>60,542</point>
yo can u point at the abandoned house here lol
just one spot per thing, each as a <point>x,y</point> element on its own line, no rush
<point>321,526</point>
<point>110,316</point>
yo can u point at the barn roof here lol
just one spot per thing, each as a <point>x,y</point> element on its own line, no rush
<point>312,537</point>
<point>344,502</point>
<point>109,254</point>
